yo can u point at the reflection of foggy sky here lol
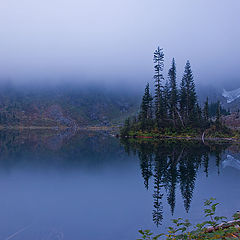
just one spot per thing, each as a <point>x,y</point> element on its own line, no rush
<point>101,40</point>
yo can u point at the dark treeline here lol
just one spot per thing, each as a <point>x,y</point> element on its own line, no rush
<point>172,107</point>
<point>172,165</point>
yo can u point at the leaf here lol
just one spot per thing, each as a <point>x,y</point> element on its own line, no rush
<point>158,236</point>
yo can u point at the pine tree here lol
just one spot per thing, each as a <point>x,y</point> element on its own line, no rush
<point>146,108</point>
<point>173,92</point>
<point>182,99</point>
<point>166,97</point>
<point>188,99</point>
<point>206,111</point>
<point>158,59</point>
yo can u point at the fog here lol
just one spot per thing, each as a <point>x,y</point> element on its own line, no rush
<point>112,42</point>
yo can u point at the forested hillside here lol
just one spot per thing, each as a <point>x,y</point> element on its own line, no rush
<point>64,105</point>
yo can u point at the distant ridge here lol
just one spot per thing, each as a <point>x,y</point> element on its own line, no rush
<point>231,95</point>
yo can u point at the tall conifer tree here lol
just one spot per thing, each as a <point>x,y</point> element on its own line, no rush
<point>188,99</point>
<point>166,97</point>
<point>182,99</point>
<point>146,108</point>
<point>158,59</point>
<point>173,92</point>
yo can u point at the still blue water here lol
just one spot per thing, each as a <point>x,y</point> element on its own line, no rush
<point>90,186</point>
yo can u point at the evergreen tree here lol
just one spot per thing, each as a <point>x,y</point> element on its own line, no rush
<point>188,95</point>
<point>173,92</point>
<point>182,99</point>
<point>146,108</point>
<point>166,97</point>
<point>158,59</point>
<point>206,111</point>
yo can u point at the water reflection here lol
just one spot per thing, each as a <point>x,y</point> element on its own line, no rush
<point>174,163</point>
<point>85,186</point>
<point>65,148</point>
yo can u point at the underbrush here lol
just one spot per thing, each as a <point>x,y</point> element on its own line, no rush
<point>215,227</point>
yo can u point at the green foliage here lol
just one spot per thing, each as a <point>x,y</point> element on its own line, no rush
<point>148,235</point>
<point>209,229</point>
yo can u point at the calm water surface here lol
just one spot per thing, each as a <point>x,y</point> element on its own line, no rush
<point>89,186</point>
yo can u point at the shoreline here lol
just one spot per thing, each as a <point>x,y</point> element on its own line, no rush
<point>57,128</point>
<point>195,138</point>
<point>116,133</point>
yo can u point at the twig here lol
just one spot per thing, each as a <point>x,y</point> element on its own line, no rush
<point>223,225</point>
<point>16,233</point>
<point>203,135</point>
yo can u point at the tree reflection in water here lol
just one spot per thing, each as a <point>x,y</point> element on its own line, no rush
<point>172,163</point>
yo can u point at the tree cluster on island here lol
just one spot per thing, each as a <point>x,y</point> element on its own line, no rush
<point>172,109</point>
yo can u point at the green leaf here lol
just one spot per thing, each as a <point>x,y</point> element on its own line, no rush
<point>158,236</point>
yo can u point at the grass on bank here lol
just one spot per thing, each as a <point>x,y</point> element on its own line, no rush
<point>213,132</point>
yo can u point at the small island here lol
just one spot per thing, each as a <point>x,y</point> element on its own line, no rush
<point>175,112</point>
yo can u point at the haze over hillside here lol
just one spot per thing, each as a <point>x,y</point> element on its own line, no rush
<point>66,105</point>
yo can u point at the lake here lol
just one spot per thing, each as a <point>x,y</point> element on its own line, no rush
<point>91,186</point>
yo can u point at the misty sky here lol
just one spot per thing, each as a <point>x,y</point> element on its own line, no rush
<point>111,40</point>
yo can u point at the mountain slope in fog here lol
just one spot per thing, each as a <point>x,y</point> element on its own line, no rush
<point>66,106</point>
<point>231,99</point>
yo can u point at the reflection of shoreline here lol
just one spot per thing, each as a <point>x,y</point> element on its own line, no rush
<point>56,141</point>
<point>57,149</point>
<point>48,139</point>
<point>51,138</point>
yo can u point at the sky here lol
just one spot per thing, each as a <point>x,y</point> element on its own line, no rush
<point>113,41</point>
